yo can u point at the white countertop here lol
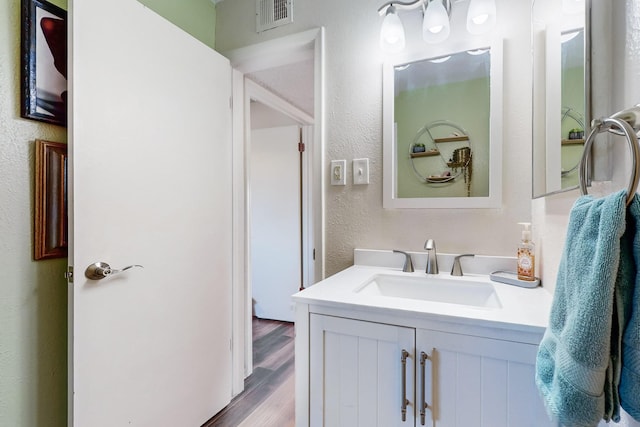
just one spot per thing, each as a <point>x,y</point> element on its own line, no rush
<point>522,309</point>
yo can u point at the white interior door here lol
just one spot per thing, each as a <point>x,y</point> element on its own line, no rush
<point>150,171</point>
<point>275,221</point>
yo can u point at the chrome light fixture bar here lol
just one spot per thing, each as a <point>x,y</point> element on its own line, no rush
<point>481,17</point>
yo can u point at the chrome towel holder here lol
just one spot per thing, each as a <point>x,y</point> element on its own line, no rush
<point>622,123</point>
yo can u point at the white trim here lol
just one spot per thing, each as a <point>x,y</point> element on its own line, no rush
<point>277,52</point>
<point>238,296</point>
<point>272,100</point>
<point>274,53</point>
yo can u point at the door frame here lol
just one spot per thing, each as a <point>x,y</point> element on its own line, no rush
<point>270,54</point>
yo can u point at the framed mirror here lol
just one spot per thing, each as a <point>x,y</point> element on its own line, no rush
<point>561,115</point>
<point>442,136</point>
<point>50,237</point>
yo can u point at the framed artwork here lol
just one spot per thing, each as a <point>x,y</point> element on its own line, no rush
<point>50,200</point>
<point>44,62</point>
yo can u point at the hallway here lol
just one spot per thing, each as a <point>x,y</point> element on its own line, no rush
<point>268,397</point>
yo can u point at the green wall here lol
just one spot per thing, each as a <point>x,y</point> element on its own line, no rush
<point>196,17</point>
<point>33,294</point>
<point>572,97</point>
<point>464,103</point>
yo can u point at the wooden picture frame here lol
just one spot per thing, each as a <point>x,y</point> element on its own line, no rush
<point>50,200</point>
<point>44,62</point>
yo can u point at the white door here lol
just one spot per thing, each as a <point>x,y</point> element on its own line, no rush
<point>150,184</point>
<point>275,221</point>
<point>357,377</point>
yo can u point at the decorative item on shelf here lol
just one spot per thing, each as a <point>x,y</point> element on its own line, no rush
<point>460,162</point>
<point>419,148</point>
<point>444,177</point>
<point>576,133</point>
<point>462,158</point>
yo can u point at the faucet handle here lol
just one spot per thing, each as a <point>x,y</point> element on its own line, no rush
<point>408,265</point>
<point>456,270</point>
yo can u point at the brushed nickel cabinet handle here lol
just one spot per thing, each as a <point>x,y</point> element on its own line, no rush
<point>423,402</point>
<point>405,402</point>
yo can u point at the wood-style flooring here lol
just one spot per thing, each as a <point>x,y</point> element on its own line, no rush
<point>268,396</point>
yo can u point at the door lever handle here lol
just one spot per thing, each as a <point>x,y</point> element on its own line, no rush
<point>100,270</point>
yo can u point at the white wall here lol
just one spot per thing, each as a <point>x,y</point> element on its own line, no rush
<point>354,214</point>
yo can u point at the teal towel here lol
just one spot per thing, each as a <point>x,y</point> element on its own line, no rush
<point>575,371</point>
<point>630,375</point>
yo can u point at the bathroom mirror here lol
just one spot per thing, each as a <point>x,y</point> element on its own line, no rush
<point>560,96</point>
<point>442,129</point>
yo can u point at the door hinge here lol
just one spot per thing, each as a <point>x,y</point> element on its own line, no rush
<point>301,147</point>
<point>69,274</point>
<point>231,102</point>
<point>314,254</point>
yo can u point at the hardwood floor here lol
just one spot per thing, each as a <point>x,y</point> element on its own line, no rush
<point>268,397</point>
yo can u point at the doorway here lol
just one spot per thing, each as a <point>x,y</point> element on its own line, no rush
<point>266,62</point>
<point>275,212</point>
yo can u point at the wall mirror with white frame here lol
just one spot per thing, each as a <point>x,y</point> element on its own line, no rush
<point>442,128</point>
<point>561,113</point>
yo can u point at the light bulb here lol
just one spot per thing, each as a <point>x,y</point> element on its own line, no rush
<point>392,32</point>
<point>481,16</point>
<point>435,25</point>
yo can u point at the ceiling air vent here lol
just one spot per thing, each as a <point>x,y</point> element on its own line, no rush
<point>273,13</point>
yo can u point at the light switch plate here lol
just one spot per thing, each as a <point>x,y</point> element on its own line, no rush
<point>360,171</point>
<point>338,172</point>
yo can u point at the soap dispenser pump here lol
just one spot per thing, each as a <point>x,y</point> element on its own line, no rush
<point>526,255</point>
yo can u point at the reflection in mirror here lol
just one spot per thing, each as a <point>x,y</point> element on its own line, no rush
<point>442,141</point>
<point>560,117</point>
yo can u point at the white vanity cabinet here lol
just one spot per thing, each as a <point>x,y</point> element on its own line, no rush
<point>356,375</point>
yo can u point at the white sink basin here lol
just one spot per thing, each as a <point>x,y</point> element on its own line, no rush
<point>436,289</point>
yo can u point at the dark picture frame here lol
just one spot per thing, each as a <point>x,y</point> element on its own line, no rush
<point>44,62</point>
<point>50,228</point>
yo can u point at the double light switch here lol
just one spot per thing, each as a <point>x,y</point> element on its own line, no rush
<point>360,172</point>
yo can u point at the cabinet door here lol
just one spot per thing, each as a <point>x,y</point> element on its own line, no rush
<point>473,381</point>
<point>356,373</point>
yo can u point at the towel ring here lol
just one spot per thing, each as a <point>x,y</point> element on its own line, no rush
<point>604,125</point>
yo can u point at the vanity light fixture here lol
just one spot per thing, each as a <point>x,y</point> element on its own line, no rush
<point>481,16</point>
<point>392,32</point>
<point>436,26</point>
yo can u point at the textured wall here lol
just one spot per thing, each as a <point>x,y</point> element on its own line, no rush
<point>354,214</point>
<point>33,326</point>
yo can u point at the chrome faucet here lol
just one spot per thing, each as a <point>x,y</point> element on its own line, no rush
<point>408,265</point>
<point>432,257</point>
<point>456,270</point>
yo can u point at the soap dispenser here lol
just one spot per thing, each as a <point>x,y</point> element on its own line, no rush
<point>526,255</point>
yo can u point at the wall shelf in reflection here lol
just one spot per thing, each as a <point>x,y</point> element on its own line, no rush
<point>429,153</point>
<point>452,139</point>
<point>573,142</point>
